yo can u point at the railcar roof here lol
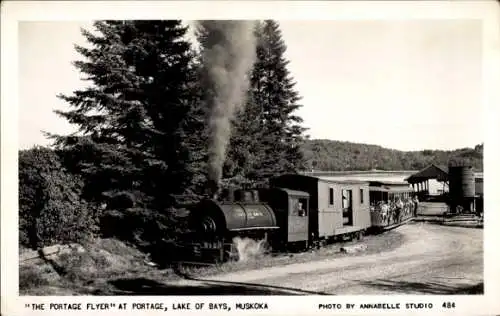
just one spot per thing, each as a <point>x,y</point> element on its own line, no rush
<point>295,192</point>
<point>326,179</point>
<point>347,181</point>
<point>391,190</point>
<point>388,183</point>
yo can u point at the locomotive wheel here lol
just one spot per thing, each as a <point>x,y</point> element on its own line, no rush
<point>306,245</point>
<point>227,256</point>
<point>360,235</point>
<point>323,243</point>
<point>267,247</point>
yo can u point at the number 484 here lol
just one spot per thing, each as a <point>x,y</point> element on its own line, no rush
<point>449,304</point>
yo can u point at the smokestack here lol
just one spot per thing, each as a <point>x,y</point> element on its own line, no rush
<point>228,54</point>
<point>212,189</point>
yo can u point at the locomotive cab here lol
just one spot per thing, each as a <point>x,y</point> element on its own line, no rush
<point>292,215</point>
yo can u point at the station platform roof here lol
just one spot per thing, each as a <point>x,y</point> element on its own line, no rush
<point>439,173</point>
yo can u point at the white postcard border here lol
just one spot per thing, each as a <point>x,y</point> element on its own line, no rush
<point>15,11</point>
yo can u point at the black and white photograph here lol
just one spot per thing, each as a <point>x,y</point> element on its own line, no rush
<point>262,156</point>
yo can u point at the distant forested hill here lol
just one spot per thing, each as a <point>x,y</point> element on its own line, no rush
<point>331,155</point>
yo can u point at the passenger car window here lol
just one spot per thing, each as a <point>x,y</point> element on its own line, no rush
<point>361,196</point>
<point>330,198</point>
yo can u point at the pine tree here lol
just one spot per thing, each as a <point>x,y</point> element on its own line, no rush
<point>245,148</point>
<point>138,122</point>
<point>273,93</point>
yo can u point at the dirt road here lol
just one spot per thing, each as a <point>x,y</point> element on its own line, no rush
<point>434,260</point>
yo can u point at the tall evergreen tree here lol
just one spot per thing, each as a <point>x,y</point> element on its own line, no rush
<point>245,148</point>
<point>274,96</point>
<point>138,122</point>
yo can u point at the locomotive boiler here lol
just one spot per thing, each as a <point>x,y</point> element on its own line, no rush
<point>226,219</point>
<point>273,216</point>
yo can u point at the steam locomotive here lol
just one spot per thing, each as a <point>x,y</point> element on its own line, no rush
<point>297,212</point>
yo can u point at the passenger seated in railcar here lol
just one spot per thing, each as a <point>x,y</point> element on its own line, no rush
<point>390,205</point>
<point>409,207</point>
<point>398,209</point>
<point>382,212</point>
<point>391,212</point>
<point>415,205</point>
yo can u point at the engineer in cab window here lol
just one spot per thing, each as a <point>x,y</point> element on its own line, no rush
<point>300,209</point>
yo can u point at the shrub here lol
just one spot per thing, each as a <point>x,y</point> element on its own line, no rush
<point>150,230</point>
<point>139,225</point>
<point>50,208</point>
<point>31,277</point>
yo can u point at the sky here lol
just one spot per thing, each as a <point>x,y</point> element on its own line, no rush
<point>401,84</point>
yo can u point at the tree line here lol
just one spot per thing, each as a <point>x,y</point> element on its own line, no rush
<point>331,155</point>
<point>140,150</point>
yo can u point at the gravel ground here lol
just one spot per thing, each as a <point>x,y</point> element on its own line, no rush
<point>434,260</point>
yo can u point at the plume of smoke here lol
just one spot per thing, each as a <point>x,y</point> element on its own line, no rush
<point>248,248</point>
<point>228,52</point>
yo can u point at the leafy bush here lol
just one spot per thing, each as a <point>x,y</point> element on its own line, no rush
<point>50,208</point>
<point>139,225</point>
<point>31,277</point>
<point>151,231</point>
